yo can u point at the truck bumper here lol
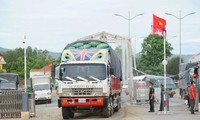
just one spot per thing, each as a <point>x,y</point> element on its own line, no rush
<point>81,102</point>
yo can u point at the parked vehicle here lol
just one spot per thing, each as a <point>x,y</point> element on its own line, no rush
<point>170,85</point>
<point>89,77</point>
<point>141,92</point>
<point>9,81</point>
<point>186,71</point>
<point>41,88</point>
<point>145,94</point>
<point>152,78</point>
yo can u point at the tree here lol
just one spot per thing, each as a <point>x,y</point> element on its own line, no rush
<point>35,59</point>
<point>173,66</point>
<point>152,54</point>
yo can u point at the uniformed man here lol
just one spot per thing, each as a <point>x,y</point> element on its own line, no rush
<point>151,97</point>
<point>161,99</point>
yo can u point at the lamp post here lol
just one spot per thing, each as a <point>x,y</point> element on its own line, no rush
<point>129,29</point>
<point>180,18</point>
<point>24,42</point>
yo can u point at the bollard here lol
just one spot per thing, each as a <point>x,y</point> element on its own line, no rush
<point>31,97</point>
<point>166,101</point>
<point>25,106</point>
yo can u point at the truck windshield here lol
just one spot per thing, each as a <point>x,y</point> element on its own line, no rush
<point>168,81</point>
<point>7,85</point>
<point>41,87</point>
<point>83,70</point>
<point>10,77</point>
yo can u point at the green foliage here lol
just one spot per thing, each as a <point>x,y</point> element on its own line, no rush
<point>58,59</point>
<point>1,71</point>
<point>152,54</point>
<point>35,59</point>
<point>173,66</point>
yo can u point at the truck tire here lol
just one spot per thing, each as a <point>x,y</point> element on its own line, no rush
<point>116,109</point>
<point>107,109</point>
<point>111,106</point>
<point>67,113</point>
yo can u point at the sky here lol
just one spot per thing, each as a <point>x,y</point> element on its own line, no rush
<point>52,24</point>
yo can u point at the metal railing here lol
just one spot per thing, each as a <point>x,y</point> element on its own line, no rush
<point>10,103</point>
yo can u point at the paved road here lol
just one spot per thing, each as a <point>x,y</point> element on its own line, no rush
<point>178,111</point>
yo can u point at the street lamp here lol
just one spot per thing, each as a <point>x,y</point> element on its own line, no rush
<point>24,42</point>
<point>129,29</point>
<point>180,18</point>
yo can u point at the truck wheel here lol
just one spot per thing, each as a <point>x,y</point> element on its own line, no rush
<point>67,113</point>
<point>111,106</point>
<point>116,109</point>
<point>107,110</point>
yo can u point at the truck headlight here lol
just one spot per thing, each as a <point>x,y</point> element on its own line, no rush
<point>97,91</point>
<point>66,92</point>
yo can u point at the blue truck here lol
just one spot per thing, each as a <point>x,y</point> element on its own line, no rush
<point>9,81</point>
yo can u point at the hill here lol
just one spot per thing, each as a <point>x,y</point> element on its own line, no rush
<point>184,57</point>
<point>3,50</point>
<point>54,55</point>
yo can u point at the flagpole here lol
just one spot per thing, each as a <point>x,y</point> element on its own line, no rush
<point>165,61</point>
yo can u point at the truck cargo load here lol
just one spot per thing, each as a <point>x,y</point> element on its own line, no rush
<point>79,46</point>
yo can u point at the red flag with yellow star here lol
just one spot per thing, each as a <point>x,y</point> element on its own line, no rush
<point>158,25</point>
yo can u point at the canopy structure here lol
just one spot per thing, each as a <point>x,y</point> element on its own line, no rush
<point>125,42</point>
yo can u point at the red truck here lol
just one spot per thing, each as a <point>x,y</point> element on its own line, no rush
<point>89,78</point>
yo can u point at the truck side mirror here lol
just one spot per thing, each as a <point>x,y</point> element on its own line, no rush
<point>53,68</point>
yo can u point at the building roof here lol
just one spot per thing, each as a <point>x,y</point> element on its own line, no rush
<point>2,61</point>
<point>46,68</point>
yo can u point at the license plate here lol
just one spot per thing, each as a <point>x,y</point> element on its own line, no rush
<point>81,100</point>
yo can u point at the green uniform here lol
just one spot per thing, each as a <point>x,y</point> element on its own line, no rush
<point>151,99</point>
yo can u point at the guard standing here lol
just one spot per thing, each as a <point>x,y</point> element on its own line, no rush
<point>161,99</point>
<point>192,97</point>
<point>151,97</point>
<point>188,94</point>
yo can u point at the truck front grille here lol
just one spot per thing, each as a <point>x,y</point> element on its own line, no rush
<point>82,91</point>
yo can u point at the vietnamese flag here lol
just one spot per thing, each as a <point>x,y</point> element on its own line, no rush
<point>158,25</point>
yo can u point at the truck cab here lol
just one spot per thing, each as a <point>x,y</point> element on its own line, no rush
<point>42,92</point>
